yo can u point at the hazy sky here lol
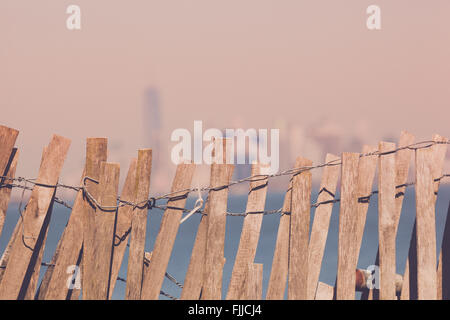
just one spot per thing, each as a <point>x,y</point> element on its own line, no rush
<point>218,61</point>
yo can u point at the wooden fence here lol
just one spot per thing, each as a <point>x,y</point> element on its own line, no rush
<point>102,224</point>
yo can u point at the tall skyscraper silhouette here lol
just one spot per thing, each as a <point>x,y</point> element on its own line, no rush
<point>152,127</point>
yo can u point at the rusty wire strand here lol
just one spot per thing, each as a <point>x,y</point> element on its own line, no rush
<point>171,196</point>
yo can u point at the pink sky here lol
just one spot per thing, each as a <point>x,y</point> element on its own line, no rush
<point>218,61</point>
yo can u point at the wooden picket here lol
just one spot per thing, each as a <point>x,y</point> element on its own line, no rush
<point>410,277</point>
<point>402,163</point>
<point>299,232</point>
<point>279,272</point>
<point>96,153</point>
<point>386,220</point>
<point>92,245</point>
<point>138,226</point>
<point>33,218</point>
<point>123,224</point>
<point>5,193</point>
<point>345,284</point>
<point>249,236</point>
<point>167,233</point>
<point>319,230</point>
<point>215,236</point>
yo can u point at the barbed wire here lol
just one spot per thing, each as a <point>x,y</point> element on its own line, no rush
<point>172,196</point>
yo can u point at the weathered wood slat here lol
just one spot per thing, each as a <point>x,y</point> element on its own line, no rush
<point>33,218</point>
<point>402,163</point>
<point>299,232</point>
<point>8,137</point>
<point>5,256</point>
<point>345,283</point>
<point>366,175</point>
<point>253,282</point>
<point>280,263</point>
<point>29,286</point>
<point>43,286</point>
<point>104,231</point>
<point>215,238</point>
<point>138,227</point>
<point>250,235</point>
<point>5,192</point>
<point>165,240</point>
<point>324,291</point>
<point>443,278</point>
<point>322,215</point>
<point>27,291</point>
<point>193,282</point>
<point>61,289</point>
<point>54,285</point>
<point>410,280</point>
<point>386,220</point>
<point>425,226</point>
<point>96,153</point>
<point>123,224</point>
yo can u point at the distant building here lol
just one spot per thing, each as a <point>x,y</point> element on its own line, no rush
<point>152,119</point>
<point>152,138</point>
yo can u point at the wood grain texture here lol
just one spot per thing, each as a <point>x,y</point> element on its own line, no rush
<point>366,174</point>
<point>27,291</point>
<point>96,153</point>
<point>250,235</point>
<point>345,283</point>
<point>30,283</point>
<point>33,218</point>
<point>402,163</point>
<point>5,191</point>
<point>425,226</point>
<point>105,219</point>
<point>53,285</point>
<point>8,137</point>
<point>43,286</point>
<point>253,282</point>
<point>410,276</point>
<point>443,278</point>
<point>194,279</point>
<point>280,263</point>
<point>324,291</point>
<point>165,239</point>
<point>299,232</point>
<point>138,227</point>
<point>215,239</point>
<point>123,224</point>
<point>319,230</point>
<point>386,220</point>
<point>5,256</point>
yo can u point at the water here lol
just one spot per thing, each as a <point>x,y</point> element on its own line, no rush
<point>185,239</point>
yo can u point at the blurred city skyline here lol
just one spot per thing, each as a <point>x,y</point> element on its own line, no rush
<point>311,69</point>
